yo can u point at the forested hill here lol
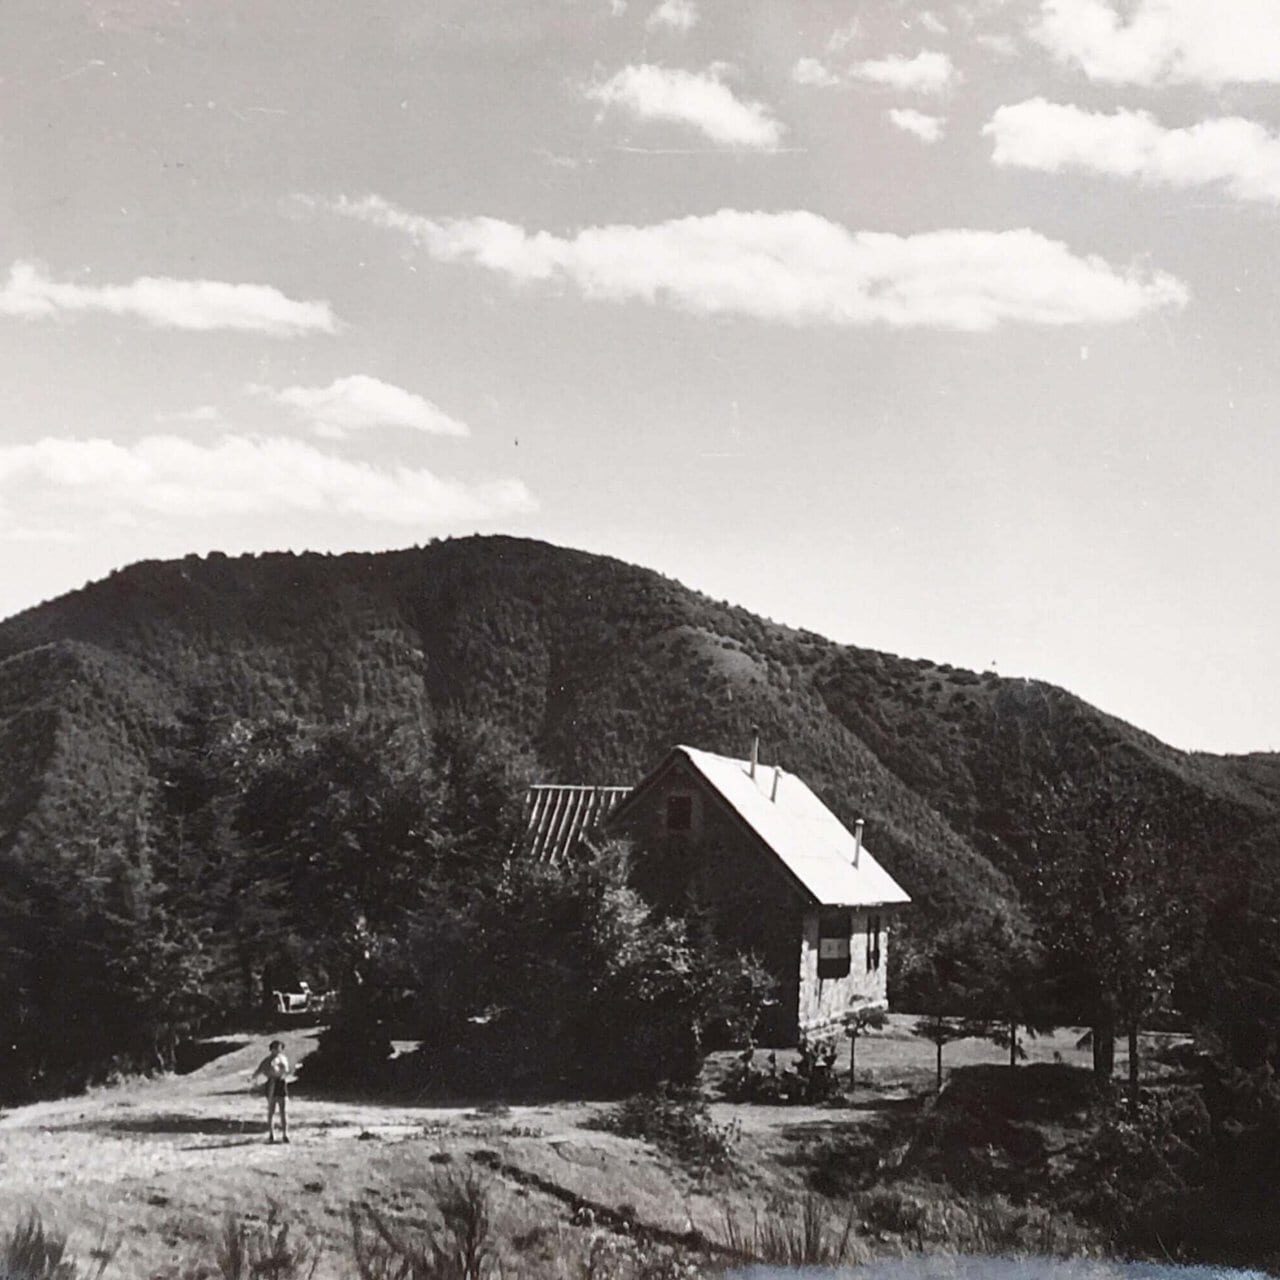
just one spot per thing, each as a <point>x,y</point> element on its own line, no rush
<point>594,667</point>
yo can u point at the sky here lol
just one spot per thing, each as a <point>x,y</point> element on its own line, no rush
<point>947,328</point>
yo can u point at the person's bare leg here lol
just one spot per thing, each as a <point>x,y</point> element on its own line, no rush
<point>271,1113</point>
<point>284,1117</point>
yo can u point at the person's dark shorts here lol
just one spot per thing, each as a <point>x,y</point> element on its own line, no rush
<point>278,1090</point>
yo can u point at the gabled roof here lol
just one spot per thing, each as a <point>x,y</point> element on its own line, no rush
<point>805,836</point>
<point>558,817</point>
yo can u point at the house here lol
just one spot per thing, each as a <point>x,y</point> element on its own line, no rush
<point>751,850</point>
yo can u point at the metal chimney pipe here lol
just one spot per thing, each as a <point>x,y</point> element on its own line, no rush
<point>777,773</point>
<point>857,840</point>
<point>755,748</point>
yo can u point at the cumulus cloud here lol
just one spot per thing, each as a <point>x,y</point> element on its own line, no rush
<point>800,268</point>
<point>674,15</point>
<point>167,476</point>
<point>701,100</point>
<point>166,303</point>
<point>928,72</point>
<point>812,72</point>
<point>361,403</point>
<point>1150,42</point>
<point>1235,153</point>
<point>926,128</point>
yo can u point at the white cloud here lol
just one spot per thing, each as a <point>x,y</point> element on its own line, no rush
<point>1148,42</point>
<point>1238,154</point>
<point>675,15</point>
<point>932,23</point>
<point>810,71</point>
<point>701,100</point>
<point>360,403</point>
<point>928,72</point>
<point>998,42</point>
<point>799,268</point>
<point>617,7</point>
<point>170,477</point>
<point>843,37</point>
<point>926,128</point>
<point>198,305</point>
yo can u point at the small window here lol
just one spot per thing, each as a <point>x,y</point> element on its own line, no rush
<point>679,813</point>
<point>834,932</point>
<point>873,943</point>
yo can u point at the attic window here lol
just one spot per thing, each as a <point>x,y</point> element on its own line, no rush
<point>679,814</point>
<point>835,929</point>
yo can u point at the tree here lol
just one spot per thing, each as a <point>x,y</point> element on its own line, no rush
<point>1011,995</point>
<point>945,970</point>
<point>1113,899</point>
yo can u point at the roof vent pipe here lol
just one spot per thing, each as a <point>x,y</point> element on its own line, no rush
<point>857,840</point>
<point>755,748</point>
<point>777,773</point>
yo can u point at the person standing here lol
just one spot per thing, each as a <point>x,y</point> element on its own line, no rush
<point>275,1068</point>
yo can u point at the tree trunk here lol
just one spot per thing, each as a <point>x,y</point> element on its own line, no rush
<point>1104,1046</point>
<point>1013,1044</point>
<point>1133,1068</point>
<point>853,1060</point>
<point>939,1046</point>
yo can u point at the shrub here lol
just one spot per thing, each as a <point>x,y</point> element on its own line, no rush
<point>813,1079</point>
<point>678,1122</point>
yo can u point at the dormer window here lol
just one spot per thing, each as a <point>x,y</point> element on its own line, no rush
<point>679,814</point>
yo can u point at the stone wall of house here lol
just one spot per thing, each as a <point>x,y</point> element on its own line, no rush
<point>823,1001</point>
<point>749,900</point>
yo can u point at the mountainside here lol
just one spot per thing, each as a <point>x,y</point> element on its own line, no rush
<point>596,667</point>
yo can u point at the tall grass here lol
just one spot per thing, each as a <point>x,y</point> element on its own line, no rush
<point>461,1248</point>
<point>31,1252</point>
<point>793,1235</point>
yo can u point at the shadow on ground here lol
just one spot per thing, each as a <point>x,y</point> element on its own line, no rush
<point>191,1055</point>
<point>176,1124</point>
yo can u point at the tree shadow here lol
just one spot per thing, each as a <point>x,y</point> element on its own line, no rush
<point>191,1055</point>
<point>179,1124</point>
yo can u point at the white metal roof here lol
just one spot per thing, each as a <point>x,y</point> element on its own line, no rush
<point>806,836</point>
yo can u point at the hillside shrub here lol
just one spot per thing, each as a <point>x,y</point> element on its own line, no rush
<point>678,1122</point>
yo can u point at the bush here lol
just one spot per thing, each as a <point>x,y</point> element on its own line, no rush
<point>576,984</point>
<point>813,1079</point>
<point>678,1122</point>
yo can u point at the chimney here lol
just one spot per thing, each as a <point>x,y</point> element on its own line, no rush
<point>755,748</point>
<point>777,773</point>
<point>857,841</point>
